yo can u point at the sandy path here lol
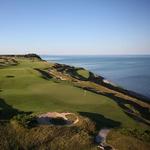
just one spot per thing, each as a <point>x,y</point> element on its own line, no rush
<point>102,134</point>
<point>101,139</point>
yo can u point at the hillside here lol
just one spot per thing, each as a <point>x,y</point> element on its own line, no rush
<point>30,86</point>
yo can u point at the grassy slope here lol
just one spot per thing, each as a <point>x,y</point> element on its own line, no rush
<point>28,91</point>
<point>24,88</point>
<point>84,73</point>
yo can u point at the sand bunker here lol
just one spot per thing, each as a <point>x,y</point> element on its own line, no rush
<point>56,118</point>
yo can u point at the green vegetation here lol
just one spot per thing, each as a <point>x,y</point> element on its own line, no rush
<point>14,136</point>
<point>25,120</point>
<point>141,134</point>
<point>123,141</point>
<point>33,86</point>
<point>28,91</point>
<point>83,73</point>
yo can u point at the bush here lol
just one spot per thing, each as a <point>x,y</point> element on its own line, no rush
<point>141,134</point>
<point>26,120</point>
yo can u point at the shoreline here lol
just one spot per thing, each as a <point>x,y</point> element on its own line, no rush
<point>98,80</point>
<point>113,86</point>
<point>48,88</point>
<point>128,73</point>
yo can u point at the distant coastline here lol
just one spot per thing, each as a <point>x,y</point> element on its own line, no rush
<point>128,71</point>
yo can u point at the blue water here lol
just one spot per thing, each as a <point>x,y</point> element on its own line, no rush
<point>130,72</point>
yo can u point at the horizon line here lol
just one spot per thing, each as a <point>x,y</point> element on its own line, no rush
<point>75,54</point>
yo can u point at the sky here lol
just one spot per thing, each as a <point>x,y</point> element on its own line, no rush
<point>79,27</point>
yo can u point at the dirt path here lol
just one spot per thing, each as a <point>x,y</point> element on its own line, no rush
<point>101,139</point>
<point>102,134</point>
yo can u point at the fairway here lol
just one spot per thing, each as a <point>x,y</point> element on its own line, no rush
<point>75,75</point>
<point>23,88</point>
<point>30,87</point>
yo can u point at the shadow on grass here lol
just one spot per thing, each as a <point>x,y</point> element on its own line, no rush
<point>44,74</point>
<point>143,113</point>
<point>100,121</point>
<point>10,76</point>
<point>7,111</point>
<point>74,73</point>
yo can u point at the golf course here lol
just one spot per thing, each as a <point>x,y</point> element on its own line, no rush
<point>30,86</point>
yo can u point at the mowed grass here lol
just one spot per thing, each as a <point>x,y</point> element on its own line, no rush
<point>26,90</point>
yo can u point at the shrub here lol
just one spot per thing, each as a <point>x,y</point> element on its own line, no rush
<point>26,120</point>
<point>141,134</point>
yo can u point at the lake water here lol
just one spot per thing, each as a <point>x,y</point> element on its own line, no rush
<point>130,72</point>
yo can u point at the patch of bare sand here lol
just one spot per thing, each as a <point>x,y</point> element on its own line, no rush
<point>47,118</point>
